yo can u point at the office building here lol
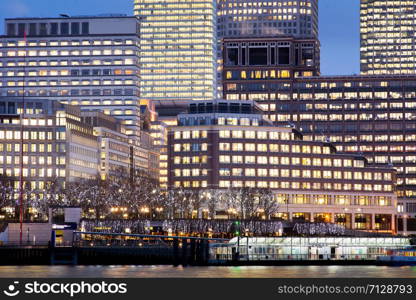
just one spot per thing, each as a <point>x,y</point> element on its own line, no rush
<point>117,151</point>
<point>219,145</point>
<point>267,60</point>
<point>388,37</point>
<point>254,18</point>
<point>177,49</point>
<point>372,115</point>
<point>85,61</point>
<point>281,23</point>
<point>56,144</point>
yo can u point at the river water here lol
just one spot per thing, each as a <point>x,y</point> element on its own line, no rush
<point>206,272</point>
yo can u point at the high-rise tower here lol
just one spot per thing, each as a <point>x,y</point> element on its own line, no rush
<point>388,37</point>
<point>177,49</point>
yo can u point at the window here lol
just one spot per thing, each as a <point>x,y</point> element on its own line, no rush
<point>85,28</point>
<point>75,28</point>
<point>54,28</point>
<point>64,28</point>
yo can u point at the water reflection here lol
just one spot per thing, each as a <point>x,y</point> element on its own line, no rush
<point>206,272</point>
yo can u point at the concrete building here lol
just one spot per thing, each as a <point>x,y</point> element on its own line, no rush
<point>388,31</point>
<point>177,49</point>
<point>86,61</point>
<point>219,145</point>
<point>373,115</point>
<point>56,145</point>
<point>117,151</point>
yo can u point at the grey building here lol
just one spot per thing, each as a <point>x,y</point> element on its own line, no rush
<point>87,61</point>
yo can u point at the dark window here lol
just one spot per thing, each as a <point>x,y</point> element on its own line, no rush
<point>74,92</point>
<point>307,57</point>
<point>75,28</point>
<point>128,92</point>
<point>201,107</point>
<point>64,28</point>
<point>32,29</point>
<point>11,108</point>
<point>85,92</point>
<point>222,107</point>
<point>21,29</point>
<point>234,108</point>
<point>85,28</point>
<point>192,108</point>
<point>257,56</point>
<point>43,29</point>
<point>245,108</point>
<point>411,224</point>
<point>74,72</point>
<point>96,92</point>
<point>96,72</point>
<point>283,56</point>
<point>2,107</point>
<point>107,72</point>
<point>232,56</point>
<point>118,92</point>
<point>54,28</point>
<point>273,55</point>
<point>11,29</point>
<point>400,224</point>
<point>85,72</point>
<point>210,108</point>
<point>296,57</point>
<point>107,92</point>
<point>243,56</point>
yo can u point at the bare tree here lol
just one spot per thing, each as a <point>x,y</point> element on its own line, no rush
<point>267,203</point>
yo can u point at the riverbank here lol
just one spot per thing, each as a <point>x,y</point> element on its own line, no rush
<point>43,255</point>
<point>165,271</point>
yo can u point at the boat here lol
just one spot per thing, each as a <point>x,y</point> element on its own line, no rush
<point>399,257</point>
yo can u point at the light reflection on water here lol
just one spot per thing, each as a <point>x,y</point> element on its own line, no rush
<point>206,272</point>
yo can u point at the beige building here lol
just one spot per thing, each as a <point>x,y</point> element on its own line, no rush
<point>56,143</point>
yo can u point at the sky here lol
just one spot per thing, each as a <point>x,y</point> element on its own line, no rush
<point>338,25</point>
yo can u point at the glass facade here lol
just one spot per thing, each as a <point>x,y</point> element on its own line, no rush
<point>177,49</point>
<point>238,18</point>
<point>388,37</point>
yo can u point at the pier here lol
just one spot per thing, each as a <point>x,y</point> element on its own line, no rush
<point>99,248</point>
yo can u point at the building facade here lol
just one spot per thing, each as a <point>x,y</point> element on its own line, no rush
<point>177,49</point>
<point>243,18</point>
<point>230,144</point>
<point>388,37</point>
<point>373,115</point>
<point>117,151</point>
<point>57,145</point>
<point>87,61</point>
<point>268,59</point>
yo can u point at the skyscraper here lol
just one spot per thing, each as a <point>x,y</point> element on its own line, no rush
<point>237,18</point>
<point>388,37</point>
<point>86,61</point>
<point>177,49</point>
<point>290,22</point>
